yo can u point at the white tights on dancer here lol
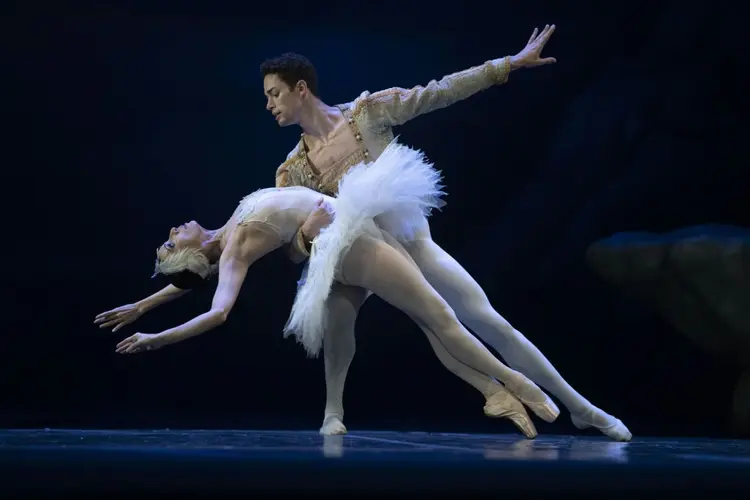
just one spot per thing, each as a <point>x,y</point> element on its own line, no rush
<point>464,295</point>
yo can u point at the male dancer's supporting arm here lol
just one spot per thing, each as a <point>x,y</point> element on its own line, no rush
<point>298,250</point>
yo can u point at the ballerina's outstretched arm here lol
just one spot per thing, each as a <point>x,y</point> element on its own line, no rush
<point>122,316</point>
<point>247,243</point>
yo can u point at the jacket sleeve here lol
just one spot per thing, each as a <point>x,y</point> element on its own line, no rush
<point>396,106</point>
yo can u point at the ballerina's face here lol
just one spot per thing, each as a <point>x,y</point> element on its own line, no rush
<point>187,235</point>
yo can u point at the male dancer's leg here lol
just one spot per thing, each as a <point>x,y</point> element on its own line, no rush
<point>473,308</point>
<point>338,351</point>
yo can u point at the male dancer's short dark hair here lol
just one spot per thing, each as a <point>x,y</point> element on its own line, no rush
<point>291,68</point>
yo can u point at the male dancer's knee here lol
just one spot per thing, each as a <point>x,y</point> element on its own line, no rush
<point>339,344</point>
<point>479,315</point>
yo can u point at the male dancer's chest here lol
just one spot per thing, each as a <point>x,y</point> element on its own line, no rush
<point>324,155</point>
<point>324,162</point>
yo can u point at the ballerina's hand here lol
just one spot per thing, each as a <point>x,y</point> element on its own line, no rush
<point>139,342</point>
<point>118,317</point>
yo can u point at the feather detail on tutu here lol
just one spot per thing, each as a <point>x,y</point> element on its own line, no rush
<point>400,188</point>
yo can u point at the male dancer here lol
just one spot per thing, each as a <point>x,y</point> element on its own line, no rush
<point>337,137</point>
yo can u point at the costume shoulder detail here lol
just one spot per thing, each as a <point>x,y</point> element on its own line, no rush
<point>288,172</point>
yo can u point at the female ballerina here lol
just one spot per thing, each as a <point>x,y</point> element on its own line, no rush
<point>400,192</point>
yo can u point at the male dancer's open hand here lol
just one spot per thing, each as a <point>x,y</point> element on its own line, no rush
<point>529,57</point>
<point>321,217</point>
<point>118,317</point>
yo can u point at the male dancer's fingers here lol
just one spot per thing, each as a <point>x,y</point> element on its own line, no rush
<point>538,37</point>
<point>533,35</point>
<point>326,207</point>
<point>547,33</point>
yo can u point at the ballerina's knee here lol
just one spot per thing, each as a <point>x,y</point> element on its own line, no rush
<point>441,319</point>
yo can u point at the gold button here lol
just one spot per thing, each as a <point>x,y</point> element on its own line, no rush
<point>359,137</point>
<point>351,120</point>
<point>367,153</point>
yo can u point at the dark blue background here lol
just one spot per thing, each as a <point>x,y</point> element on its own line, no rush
<point>125,121</point>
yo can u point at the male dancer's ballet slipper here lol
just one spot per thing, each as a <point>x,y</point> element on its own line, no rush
<point>532,396</point>
<point>502,404</point>
<point>613,427</point>
<point>333,426</point>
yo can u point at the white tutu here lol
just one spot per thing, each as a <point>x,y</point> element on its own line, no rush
<point>401,189</point>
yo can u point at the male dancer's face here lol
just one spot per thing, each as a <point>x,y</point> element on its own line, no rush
<point>283,102</point>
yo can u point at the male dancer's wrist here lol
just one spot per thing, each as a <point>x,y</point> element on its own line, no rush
<point>303,244</point>
<point>501,69</point>
<point>512,63</point>
<point>307,242</point>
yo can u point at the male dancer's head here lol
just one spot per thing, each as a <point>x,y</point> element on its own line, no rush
<point>290,83</point>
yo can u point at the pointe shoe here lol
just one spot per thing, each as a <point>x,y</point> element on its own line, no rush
<point>502,404</point>
<point>532,396</point>
<point>614,428</point>
<point>333,426</point>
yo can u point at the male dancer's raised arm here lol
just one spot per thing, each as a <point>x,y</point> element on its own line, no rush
<point>396,106</point>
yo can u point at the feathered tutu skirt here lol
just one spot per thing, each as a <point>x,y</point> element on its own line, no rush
<point>400,189</point>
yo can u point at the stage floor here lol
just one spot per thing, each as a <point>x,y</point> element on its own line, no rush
<point>376,462</point>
